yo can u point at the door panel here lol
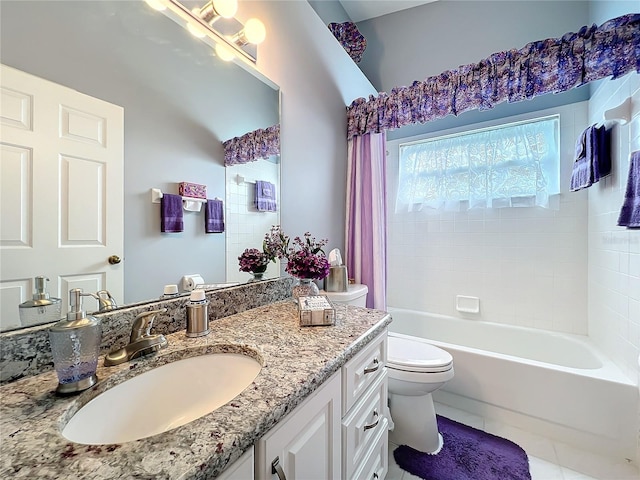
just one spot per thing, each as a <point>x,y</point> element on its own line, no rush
<point>62,190</point>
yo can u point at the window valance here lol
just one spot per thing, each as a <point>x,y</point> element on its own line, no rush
<point>551,65</point>
<point>252,146</point>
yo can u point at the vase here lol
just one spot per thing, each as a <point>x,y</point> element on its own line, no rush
<point>258,273</point>
<point>306,287</point>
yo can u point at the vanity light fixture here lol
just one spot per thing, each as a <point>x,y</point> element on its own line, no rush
<point>214,9</point>
<point>224,53</point>
<point>253,32</point>
<point>203,23</point>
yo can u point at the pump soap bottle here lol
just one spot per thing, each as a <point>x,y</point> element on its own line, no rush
<point>41,308</point>
<point>75,345</point>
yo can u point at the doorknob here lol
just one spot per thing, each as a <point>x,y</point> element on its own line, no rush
<point>114,259</point>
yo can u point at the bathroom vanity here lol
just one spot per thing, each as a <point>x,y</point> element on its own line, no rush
<point>318,403</point>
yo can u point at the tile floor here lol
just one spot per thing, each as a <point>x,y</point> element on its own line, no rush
<point>548,460</point>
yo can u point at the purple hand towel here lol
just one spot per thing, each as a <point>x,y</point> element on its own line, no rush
<point>592,158</point>
<point>599,153</point>
<point>265,196</point>
<point>630,212</point>
<point>171,213</point>
<point>214,216</point>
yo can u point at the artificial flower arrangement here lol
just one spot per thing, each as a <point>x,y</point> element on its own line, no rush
<point>305,258</point>
<point>274,246</point>
<point>253,260</point>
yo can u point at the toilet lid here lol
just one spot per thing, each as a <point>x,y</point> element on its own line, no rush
<point>416,356</point>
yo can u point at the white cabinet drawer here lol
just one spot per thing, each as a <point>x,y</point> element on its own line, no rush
<point>363,424</point>
<point>362,371</point>
<point>376,463</point>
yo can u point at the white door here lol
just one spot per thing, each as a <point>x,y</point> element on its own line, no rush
<point>61,192</point>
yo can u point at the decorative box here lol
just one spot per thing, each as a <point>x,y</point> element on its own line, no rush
<point>194,190</point>
<point>316,310</point>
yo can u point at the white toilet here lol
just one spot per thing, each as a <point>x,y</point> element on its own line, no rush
<point>416,369</point>
<point>356,294</point>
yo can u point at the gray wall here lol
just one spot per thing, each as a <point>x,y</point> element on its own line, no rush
<point>330,11</point>
<point>422,41</point>
<point>601,11</point>
<point>318,79</point>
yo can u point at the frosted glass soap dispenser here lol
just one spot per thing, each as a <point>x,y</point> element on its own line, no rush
<point>75,345</point>
<point>41,308</point>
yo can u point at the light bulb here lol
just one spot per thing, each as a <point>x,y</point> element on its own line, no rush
<point>225,8</point>
<point>194,31</point>
<point>156,5</point>
<point>254,31</point>
<point>224,53</point>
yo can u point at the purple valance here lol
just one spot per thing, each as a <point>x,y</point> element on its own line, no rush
<point>350,38</point>
<point>551,65</point>
<point>252,146</point>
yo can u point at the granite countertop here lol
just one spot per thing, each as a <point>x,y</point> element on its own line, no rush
<point>295,361</point>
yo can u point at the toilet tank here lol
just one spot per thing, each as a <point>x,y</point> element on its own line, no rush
<point>356,295</point>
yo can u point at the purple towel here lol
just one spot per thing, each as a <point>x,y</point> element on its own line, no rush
<point>592,158</point>
<point>630,212</point>
<point>171,213</point>
<point>214,216</point>
<point>265,196</point>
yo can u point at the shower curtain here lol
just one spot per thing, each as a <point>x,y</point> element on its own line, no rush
<point>366,224</point>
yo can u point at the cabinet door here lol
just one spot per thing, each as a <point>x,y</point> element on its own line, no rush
<point>242,469</point>
<point>307,442</point>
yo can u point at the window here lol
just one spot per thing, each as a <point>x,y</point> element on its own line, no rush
<point>514,165</point>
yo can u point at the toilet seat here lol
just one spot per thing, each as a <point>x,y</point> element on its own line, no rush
<point>412,355</point>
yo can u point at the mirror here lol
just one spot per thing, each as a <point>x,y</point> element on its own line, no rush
<point>180,103</point>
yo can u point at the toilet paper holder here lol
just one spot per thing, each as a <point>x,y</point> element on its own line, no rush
<point>190,282</point>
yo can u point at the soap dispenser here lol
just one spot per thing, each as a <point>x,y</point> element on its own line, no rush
<point>41,308</point>
<point>75,345</point>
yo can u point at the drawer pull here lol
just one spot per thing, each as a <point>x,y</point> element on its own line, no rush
<point>374,368</point>
<point>374,424</point>
<point>375,476</point>
<point>276,468</point>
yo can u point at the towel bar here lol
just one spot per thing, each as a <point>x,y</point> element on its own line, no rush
<point>156,195</point>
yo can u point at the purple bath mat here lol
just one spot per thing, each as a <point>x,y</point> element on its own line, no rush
<point>467,454</point>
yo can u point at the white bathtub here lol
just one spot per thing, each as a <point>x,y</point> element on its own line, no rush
<point>554,384</point>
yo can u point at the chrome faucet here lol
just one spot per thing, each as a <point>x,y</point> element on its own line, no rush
<point>105,300</point>
<point>142,342</point>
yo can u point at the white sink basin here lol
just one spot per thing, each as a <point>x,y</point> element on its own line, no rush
<point>161,399</point>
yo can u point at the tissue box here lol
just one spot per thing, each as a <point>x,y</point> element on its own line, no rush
<point>316,310</point>
<point>194,190</point>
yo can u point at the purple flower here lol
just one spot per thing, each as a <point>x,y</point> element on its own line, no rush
<point>304,264</point>
<point>253,260</point>
<point>306,259</point>
<point>275,243</point>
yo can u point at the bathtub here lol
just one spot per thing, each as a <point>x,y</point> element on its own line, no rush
<point>554,384</point>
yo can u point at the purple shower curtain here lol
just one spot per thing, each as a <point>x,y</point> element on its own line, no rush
<point>366,249</point>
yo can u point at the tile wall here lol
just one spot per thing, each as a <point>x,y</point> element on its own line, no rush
<point>245,225</point>
<point>528,266</point>
<point>614,252</point>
